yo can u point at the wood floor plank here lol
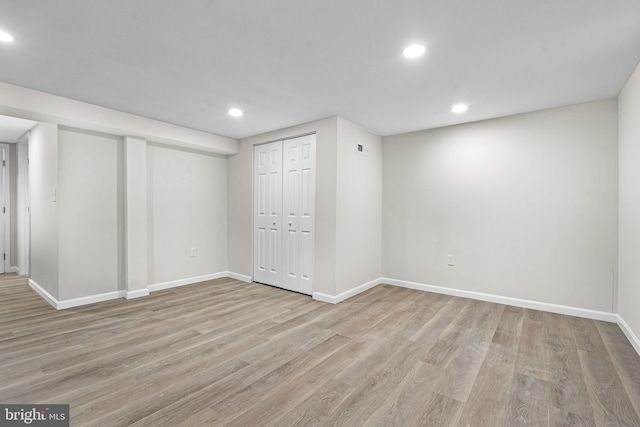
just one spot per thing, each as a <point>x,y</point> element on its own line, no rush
<point>458,333</point>
<point>317,408</point>
<point>405,405</point>
<point>624,358</point>
<point>487,400</point>
<point>533,357</point>
<point>292,370</point>
<point>568,390</point>
<point>225,352</point>
<point>372,390</point>
<point>609,400</point>
<point>527,403</point>
<point>269,407</point>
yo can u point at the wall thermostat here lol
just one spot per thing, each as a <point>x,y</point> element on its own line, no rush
<point>362,149</point>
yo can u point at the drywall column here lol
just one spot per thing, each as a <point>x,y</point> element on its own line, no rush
<point>22,217</point>
<point>43,184</point>
<point>135,159</point>
<point>629,208</point>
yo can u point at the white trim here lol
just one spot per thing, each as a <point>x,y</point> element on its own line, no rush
<point>517,302</point>
<point>44,294</point>
<point>91,299</point>
<point>137,293</point>
<point>348,294</point>
<point>633,339</point>
<point>14,269</point>
<point>319,296</point>
<point>240,277</point>
<point>187,281</point>
<point>74,302</point>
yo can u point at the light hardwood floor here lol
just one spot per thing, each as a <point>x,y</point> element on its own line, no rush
<point>230,353</point>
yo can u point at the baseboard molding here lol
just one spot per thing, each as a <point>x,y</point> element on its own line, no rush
<point>517,302</point>
<point>91,299</point>
<point>238,276</point>
<point>334,299</point>
<point>14,270</point>
<point>187,281</point>
<point>633,339</point>
<point>137,293</point>
<point>73,302</point>
<point>44,294</point>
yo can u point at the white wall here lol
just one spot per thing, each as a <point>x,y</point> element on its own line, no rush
<point>629,207</point>
<point>22,203</point>
<point>187,209</point>
<point>88,202</point>
<point>358,207</point>
<point>43,180</point>
<point>240,201</point>
<point>527,204</point>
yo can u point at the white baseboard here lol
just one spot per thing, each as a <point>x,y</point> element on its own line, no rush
<point>14,269</point>
<point>517,302</point>
<point>633,339</point>
<point>238,276</point>
<point>44,294</point>
<point>91,299</point>
<point>187,281</point>
<point>334,299</point>
<point>73,302</point>
<point>137,293</point>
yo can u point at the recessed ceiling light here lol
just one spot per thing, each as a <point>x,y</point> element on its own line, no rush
<point>235,112</point>
<point>413,51</point>
<point>459,108</point>
<point>5,37</point>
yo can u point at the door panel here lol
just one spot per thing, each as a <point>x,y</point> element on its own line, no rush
<point>268,208</point>
<point>284,256</point>
<point>300,185</point>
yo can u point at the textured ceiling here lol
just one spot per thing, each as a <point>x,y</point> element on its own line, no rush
<point>286,62</point>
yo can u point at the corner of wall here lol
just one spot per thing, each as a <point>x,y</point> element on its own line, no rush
<point>628,271</point>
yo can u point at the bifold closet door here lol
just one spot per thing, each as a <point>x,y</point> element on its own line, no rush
<point>267,205</point>
<point>284,204</point>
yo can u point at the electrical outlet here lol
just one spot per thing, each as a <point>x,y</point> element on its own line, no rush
<point>450,260</point>
<point>194,252</point>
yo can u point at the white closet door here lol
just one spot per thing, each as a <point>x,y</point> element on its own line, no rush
<point>267,190</point>
<point>284,206</point>
<point>298,181</point>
